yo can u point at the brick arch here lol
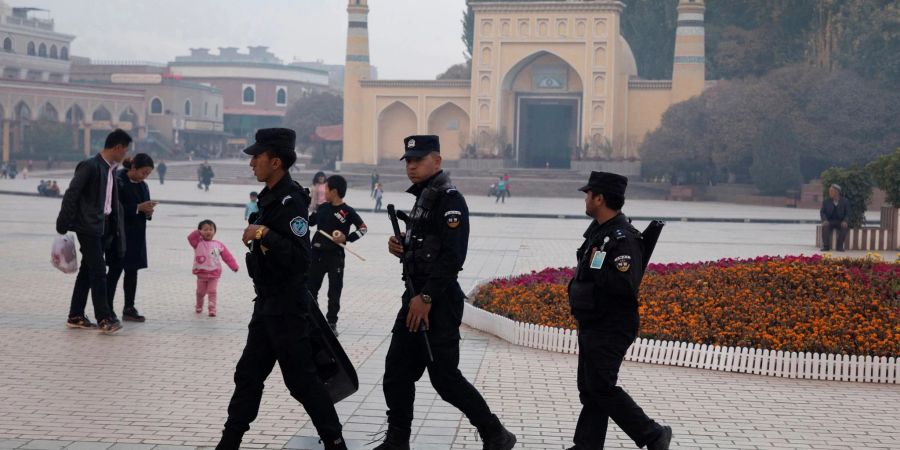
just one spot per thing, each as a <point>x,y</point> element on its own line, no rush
<point>395,122</point>
<point>450,122</point>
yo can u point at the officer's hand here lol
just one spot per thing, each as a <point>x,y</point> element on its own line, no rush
<point>395,247</point>
<point>250,233</point>
<point>338,237</point>
<point>418,314</point>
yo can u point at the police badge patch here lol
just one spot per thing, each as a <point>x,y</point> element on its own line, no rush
<point>452,218</point>
<point>299,226</point>
<point>623,263</point>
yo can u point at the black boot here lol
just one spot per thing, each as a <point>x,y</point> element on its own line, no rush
<point>335,444</point>
<point>496,437</point>
<point>231,440</point>
<point>395,439</point>
<point>662,441</point>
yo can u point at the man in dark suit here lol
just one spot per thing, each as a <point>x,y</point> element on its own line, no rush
<point>834,213</point>
<point>91,209</point>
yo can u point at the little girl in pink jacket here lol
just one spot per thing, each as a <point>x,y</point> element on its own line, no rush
<point>208,256</point>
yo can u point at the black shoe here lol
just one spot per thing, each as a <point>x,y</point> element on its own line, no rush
<point>395,439</point>
<point>496,437</point>
<point>333,326</point>
<point>662,441</point>
<point>110,326</point>
<point>132,315</point>
<point>81,322</point>
<point>231,440</point>
<point>334,444</point>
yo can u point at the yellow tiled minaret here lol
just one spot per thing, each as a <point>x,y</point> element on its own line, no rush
<point>689,71</point>
<point>356,68</point>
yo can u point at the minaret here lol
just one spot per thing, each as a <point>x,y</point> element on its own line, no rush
<point>356,68</point>
<point>689,71</point>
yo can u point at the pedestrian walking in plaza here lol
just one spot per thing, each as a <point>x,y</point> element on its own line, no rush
<point>252,206</point>
<point>280,328</point>
<point>334,217</point>
<point>375,178</point>
<point>137,209</point>
<point>378,194</point>
<point>205,174</point>
<point>90,208</point>
<point>426,330</point>
<point>603,296</point>
<point>161,170</point>
<point>501,190</point>
<point>208,256</point>
<point>318,191</point>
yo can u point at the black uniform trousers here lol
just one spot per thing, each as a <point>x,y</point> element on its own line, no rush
<point>283,338</point>
<point>330,262</point>
<point>407,360</point>
<point>92,274</point>
<point>834,225</point>
<point>601,350</point>
<point>129,285</point>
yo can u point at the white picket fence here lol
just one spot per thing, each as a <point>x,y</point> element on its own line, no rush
<point>805,365</point>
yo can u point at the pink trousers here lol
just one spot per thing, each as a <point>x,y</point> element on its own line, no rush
<point>206,286</point>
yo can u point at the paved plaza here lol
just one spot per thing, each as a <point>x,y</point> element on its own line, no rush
<point>165,384</point>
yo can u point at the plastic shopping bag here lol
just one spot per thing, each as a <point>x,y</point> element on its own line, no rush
<point>62,254</point>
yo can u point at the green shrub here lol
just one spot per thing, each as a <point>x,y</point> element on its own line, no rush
<point>856,187</point>
<point>886,172</point>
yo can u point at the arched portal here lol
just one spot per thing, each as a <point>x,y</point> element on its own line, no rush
<point>395,122</point>
<point>451,124</point>
<point>541,108</point>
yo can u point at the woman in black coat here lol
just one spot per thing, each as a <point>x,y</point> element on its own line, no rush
<point>138,208</point>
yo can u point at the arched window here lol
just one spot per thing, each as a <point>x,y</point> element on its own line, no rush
<point>187,108</point>
<point>42,50</point>
<point>31,51</point>
<point>64,53</point>
<point>156,106</point>
<point>249,94</point>
<point>53,52</point>
<point>281,96</point>
<point>7,45</point>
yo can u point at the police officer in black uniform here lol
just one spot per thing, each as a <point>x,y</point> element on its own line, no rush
<point>603,296</point>
<point>435,249</point>
<point>278,261</point>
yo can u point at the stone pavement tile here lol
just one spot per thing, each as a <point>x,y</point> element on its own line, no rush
<point>45,444</point>
<point>7,444</point>
<point>89,446</point>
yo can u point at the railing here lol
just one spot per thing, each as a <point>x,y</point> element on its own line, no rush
<point>805,365</point>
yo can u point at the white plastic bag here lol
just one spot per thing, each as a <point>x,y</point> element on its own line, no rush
<point>62,254</point>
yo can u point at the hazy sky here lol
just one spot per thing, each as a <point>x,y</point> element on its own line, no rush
<point>410,39</point>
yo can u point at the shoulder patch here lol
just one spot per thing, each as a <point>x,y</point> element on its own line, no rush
<point>452,218</point>
<point>623,263</point>
<point>619,234</point>
<point>299,226</point>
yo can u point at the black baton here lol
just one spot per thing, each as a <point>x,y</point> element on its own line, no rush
<point>392,214</point>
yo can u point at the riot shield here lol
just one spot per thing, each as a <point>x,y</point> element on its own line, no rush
<point>332,364</point>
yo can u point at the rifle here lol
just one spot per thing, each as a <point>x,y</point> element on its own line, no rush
<point>395,224</point>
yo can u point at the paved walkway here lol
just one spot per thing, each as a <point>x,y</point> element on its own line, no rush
<point>165,383</point>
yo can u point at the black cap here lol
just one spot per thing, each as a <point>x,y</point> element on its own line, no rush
<point>275,139</point>
<point>419,146</point>
<point>605,183</point>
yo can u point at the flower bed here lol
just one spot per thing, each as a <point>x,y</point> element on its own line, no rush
<point>796,303</point>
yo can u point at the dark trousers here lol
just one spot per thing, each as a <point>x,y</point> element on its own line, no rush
<point>129,285</point>
<point>827,228</point>
<point>332,264</point>
<point>282,338</point>
<point>601,351</point>
<point>406,362</point>
<point>92,275</point>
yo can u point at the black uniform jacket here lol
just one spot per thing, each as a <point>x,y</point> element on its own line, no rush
<point>82,204</point>
<point>278,263</point>
<point>437,243</point>
<point>133,194</point>
<point>607,293</point>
